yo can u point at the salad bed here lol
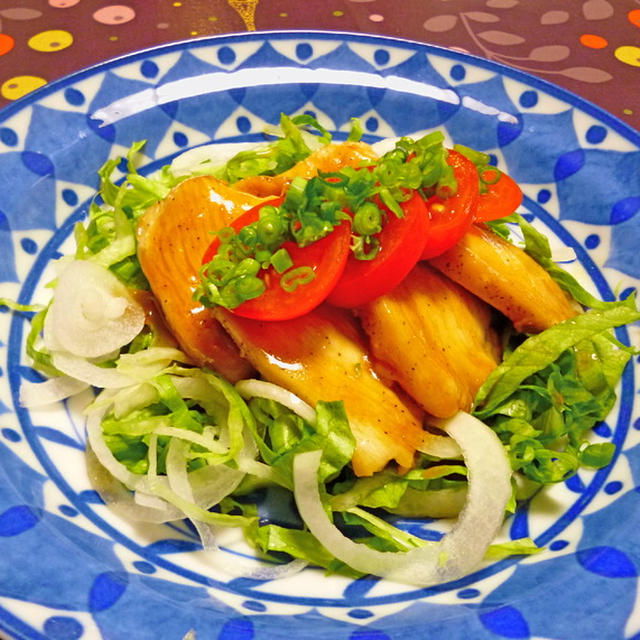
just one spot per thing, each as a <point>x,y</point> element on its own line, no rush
<point>186,442</point>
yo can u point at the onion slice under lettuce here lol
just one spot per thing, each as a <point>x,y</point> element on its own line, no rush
<point>460,551</point>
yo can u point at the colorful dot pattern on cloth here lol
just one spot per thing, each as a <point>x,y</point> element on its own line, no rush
<point>586,46</point>
<point>118,580</point>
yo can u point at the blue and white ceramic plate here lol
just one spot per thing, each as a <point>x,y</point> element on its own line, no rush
<point>70,569</point>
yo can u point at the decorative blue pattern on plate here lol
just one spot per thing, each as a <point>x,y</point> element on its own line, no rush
<point>70,569</point>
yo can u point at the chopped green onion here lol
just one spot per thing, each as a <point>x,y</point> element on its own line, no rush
<point>597,455</point>
<point>281,260</point>
<point>365,247</point>
<point>367,220</point>
<point>356,130</point>
<point>292,279</point>
<point>477,157</point>
<point>488,174</point>
<point>313,207</point>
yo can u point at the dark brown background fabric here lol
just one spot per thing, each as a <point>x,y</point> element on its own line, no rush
<point>590,47</point>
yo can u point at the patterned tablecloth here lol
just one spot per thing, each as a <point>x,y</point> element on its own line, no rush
<point>591,47</point>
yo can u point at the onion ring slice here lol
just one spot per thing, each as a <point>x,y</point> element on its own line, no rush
<point>460,551</point>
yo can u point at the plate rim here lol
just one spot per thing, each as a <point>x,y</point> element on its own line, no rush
<point>557,91</point>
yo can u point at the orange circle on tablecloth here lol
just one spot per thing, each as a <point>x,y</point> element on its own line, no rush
<point>593,41</point>
<point>6,43</point>
<point>629,54</point>
<point>634,17</point>
<point>16,87</point>
<point>51,40</point>
<point>114,14</point>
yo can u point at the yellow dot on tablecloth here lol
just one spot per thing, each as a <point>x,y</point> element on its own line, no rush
<point>16,87</point>
<point>337,14</point>
<point>628,54</point>
<point>177,4</point>
<point>283,15</point>
<point>193,33</point>
<point>627,112</point>
<point>212,18</point>
<point>113,38</point>
<point>51,40</point>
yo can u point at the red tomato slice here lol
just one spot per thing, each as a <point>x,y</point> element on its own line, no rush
<point>452,217</point>
<point>402,241</point>
<point>326,257</point>
<point>499,200</point>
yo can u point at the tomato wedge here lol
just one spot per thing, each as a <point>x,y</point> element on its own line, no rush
<point>452,217</point>
<point>500,199</point>
<point>402,241</point>
<point>326,257</point>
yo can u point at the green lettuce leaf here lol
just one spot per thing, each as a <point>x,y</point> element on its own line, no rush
<point>541,350</point>
<point>552,389</point>
<point>273,158</point>
<point>281,435</point>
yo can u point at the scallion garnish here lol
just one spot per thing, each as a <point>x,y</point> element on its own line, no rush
<point>487,173</point>
<point>312,208</point>
<point>292,279</point>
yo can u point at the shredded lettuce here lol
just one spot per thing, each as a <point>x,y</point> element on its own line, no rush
<point>537,246</point>
<point>108,235</point>
<point>281,434</point>
<point>291,146</point>
<point>550,389</point>
<point>554,387</point>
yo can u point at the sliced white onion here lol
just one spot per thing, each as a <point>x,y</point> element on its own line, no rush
<point>146,363</point>
<point>131,398</point>
<point>261,389</point>
<point>439,446</point>
<point>386,144</point>
<point>122,501</point>
<point>242,568</point>
<point>178,477</point>
<point>191,436</point>
<point>151,502</point>
<point>92,312</point>
<point>38,394</point>
<point>460,551</point>
<point>84,370</point>
<point>258,469</point>
<point>102,452</point>
<point>212,483</point>
<point>207,157</point>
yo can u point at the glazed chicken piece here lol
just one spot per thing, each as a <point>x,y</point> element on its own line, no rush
<point>331,157</point>
<point>434,339</point>
<point>505,277</point>
<point>172,236</point>
<point>321,356</point>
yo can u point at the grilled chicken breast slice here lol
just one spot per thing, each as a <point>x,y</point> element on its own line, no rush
<point>434,339</point>
<point>331,157</point>
<point>320,356</point>
<point>505,277</point>
<point>172,236</point>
